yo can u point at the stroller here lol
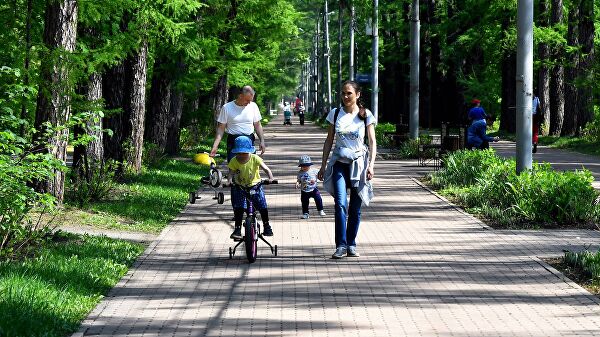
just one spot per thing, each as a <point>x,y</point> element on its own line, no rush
<point>287,114</point>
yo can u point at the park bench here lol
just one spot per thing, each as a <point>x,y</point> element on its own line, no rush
<point>400,133</point>
<point>452,137</point>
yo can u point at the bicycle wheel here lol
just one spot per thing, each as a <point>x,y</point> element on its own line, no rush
<point>250,239</point>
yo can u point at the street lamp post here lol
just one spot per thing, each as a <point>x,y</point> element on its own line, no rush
<point>524,83</point>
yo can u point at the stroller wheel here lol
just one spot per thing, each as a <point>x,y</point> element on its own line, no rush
<point>192,197</point>
<point>220,198</point>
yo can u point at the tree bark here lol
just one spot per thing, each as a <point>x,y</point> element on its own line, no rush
<point>93,152</point>
<point>543,88</point>
<point>508,117</point>
<point>26,64</point>
<point>586,64</point>
<point>173,131</point>
<point>53,101</point>
<point>557,92</point>
<point>135,108</point>
<point>569,127</point>
<point>113,87</point>
<point>160,107</point>
<point>219,96</point>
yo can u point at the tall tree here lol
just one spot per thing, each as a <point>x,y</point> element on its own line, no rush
<point>557,91</point>
<point>586,63</point>
<point>53,103</point>
<point>572,105</point>
<point>543,84</point>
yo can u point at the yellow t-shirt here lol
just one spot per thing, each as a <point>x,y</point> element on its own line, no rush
<point>247,174</point>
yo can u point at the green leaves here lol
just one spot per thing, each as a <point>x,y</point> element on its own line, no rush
<point>482,181</point>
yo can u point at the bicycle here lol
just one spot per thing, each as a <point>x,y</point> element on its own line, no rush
<point>252,231</point>
<point>213,180</point>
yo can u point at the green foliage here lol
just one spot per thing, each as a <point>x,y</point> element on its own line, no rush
<point>165,186</point>
<point>588,261</point>
<point>50,293</point>
<point>489,185</point>
<point>95,184</point>
<point>20,167</point>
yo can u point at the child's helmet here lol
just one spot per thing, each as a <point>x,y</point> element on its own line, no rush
<point>304,161</point>
<point>243,144</point>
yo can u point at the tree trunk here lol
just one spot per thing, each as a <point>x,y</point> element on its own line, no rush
<point>543,88</point>
<point>160,107</point>
<point>113,87</point>
<point>94,150</point>
<point>219,96</point>
<point>569,127</point>
<point>24,113</point>
<point>173,132</point>
<point>586,63</point>
<point>135,108</point>
<point>557,92</point>
<point>508,117</point>
<point>53,101</point>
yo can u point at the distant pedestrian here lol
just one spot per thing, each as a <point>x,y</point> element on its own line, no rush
<point>536,122</point>
<point>307,182</point>
<point>476,113</point>
<point>240,117</point>
<point>351,166</point>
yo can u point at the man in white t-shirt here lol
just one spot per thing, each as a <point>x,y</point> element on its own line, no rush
<point>239,117</point>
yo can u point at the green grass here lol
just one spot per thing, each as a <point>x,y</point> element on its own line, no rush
<point>146,202</point>
<point>578,144</point>
<point>50,293</point>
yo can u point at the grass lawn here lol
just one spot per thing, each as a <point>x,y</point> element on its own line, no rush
<point>145,203</point>
<point>50,292</point>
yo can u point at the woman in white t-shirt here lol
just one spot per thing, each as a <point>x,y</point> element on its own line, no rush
<point>350,166</point>
<point>239,117</point>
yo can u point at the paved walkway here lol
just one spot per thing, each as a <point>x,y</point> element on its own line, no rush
<point>427,269</point>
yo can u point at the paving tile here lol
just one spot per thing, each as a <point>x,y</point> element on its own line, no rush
<point>426,269</point>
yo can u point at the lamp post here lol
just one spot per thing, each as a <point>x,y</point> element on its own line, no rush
<point>524,83</point>
<point>415,33</point>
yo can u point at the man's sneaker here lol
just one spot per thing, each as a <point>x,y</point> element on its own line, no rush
<point>352,252</point>
<point>237,233</point>
<point>322,213</point>
<point>305,216</point>
<point>267,230</point>
<point>340,252</point>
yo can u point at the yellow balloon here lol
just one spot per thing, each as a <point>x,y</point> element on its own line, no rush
<point>203,159</point>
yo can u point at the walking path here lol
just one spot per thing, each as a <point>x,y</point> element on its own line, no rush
<point>427,269</point>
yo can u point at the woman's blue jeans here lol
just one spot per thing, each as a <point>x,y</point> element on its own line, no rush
<point>345,230</point>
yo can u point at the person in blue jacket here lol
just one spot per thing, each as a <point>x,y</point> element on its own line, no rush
<point>477,137</point>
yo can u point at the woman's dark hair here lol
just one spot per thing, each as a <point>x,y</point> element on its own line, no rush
<point>362,113</point>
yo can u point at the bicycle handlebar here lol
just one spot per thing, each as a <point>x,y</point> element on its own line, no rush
<point>262,182</point>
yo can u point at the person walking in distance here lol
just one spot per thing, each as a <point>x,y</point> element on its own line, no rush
<point>351,166</point>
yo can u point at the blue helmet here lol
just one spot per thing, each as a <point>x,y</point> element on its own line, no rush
<point>243,144</point>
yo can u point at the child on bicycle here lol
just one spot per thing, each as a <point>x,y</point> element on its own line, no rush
<point>244,170</point>
<point>307,181</point>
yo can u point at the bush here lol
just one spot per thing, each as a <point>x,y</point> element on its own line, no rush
<point>589,262</point>
<point>21,206</point>
<point>482,181</point>
<point>94,184</point>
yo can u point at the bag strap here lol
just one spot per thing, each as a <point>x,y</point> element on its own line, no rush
<point>335,115</point>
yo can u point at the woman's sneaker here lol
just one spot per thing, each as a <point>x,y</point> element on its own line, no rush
<point>340,252</point>
<point>352,252</point>
<point>322,213</point>
<point>305,216</point>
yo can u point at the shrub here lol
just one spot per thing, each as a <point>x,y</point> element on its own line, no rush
<point>490,186</point>
<point>94,184</point>
<point>21,205</point>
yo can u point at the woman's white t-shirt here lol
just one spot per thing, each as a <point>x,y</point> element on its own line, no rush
<point>349,128</point>
<point>239,120</point>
